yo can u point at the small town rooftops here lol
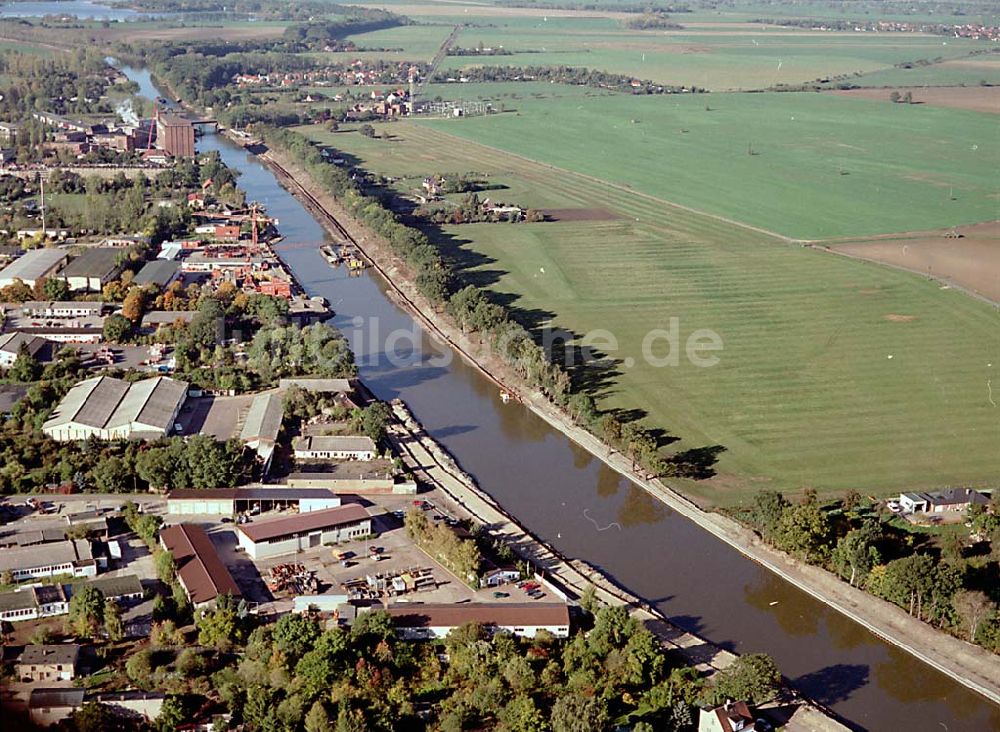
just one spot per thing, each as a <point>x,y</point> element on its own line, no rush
<point>438,615</point>
<point>312,521</point>
<point>199,567</point>
<point>65,654</point>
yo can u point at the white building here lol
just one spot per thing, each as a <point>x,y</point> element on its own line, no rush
<point>112,409</point>
<point>231,501</point>
<point>427,621</point>
<point>32,266</point>
<point>328,447</point>
<point>71,557</point>
<point>31,603</point>
<point>274,537</point>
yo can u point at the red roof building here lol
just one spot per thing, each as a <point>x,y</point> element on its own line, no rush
<point>200,570</point>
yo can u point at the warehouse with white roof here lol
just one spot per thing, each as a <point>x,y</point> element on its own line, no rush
<point>113,409</point>
<point>32,266</point>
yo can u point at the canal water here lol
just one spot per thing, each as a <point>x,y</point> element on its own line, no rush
<point>82,9</point>
<point>586,510</point>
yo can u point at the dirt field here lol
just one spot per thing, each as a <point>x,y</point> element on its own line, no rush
<point>972,262</point>
<point>974,98</point>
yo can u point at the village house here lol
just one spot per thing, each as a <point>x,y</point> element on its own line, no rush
<point>730,717</point>
<point>953,499</point>
<point>48,663</point>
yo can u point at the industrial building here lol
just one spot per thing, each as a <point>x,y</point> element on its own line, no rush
<point>174,135</point>
<point>262,425</point>
<point>159,272</point>
<point>111,409</point>
<point>92,270</point>
<point>274,537</point>
<point>232,501</point>
<point>200,571</point>
<point>44,601</point>
<point>428,621</point>
<point>33,265</point>
<point>72,557</point>
<point>328,447</point>
<point>11,344</point>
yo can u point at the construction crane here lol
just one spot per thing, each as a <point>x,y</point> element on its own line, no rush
<point>251,214</point>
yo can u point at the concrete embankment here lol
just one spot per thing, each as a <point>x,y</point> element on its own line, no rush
<point>432,465</point>
<point>970,665</point>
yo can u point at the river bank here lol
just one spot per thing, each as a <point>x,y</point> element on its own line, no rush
<point>434,466</point>
<point>971,666</point>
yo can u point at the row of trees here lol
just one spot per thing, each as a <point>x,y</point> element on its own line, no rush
<point>575,75</point>
<point>293,675</point>
<point>949,585</point>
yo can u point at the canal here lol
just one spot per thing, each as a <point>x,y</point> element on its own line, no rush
<point>586,510</point>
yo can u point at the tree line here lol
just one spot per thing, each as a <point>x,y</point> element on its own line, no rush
<point>952,582</point>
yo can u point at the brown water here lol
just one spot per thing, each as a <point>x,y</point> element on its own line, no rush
<point>586,510</point>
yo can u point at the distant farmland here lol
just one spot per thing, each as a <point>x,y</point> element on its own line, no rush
<point>836,374</point>
<point>807,166</point>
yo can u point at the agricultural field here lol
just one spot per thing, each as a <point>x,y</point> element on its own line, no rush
<point>717,60</point>
<point>967,71</point>
<point>807,166</point>
<point>835,373</point>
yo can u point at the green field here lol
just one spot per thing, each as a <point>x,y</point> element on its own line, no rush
<point>822,166</point>
<point>957,72</point>
<point>805,393</point>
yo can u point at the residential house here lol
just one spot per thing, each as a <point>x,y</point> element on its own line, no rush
<point>950,500</point>
<point>730,717</point>
<point>48,663</point>
<point>49,706</point>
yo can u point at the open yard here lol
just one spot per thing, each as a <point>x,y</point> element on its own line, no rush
<point>807,166</point>
<point>835,373</point>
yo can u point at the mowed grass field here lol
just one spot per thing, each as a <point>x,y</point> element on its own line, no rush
<point>835,374</point>
<point>821,165</point>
